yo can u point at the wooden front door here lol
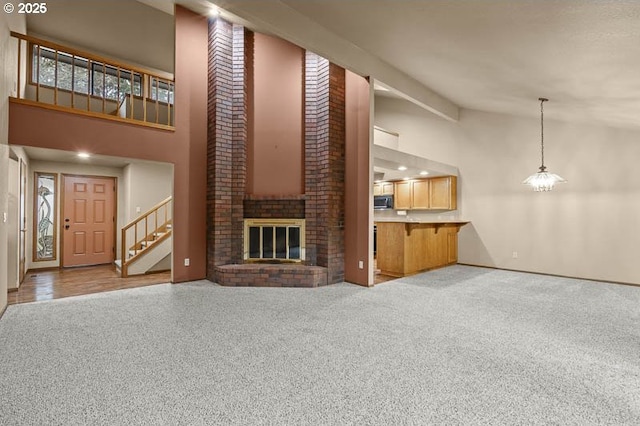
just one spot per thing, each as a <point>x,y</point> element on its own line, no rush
<point>88,220</point>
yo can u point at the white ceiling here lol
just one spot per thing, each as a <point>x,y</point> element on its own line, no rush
<point>57,156</point>
<point>121,29</point>
<point>493,55</point>
<point>501,55</point>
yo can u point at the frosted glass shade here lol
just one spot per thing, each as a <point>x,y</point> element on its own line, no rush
<point>543,180</point>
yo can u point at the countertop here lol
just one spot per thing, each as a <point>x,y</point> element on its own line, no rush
<point>425,221</point>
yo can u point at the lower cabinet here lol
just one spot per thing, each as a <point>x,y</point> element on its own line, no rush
<point>406,248</point>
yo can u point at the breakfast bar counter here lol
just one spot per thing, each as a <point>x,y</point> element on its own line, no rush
<point>408,247</point>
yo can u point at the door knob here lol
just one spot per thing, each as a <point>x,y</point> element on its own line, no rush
<point>66,227</point>
<point>66,220</point>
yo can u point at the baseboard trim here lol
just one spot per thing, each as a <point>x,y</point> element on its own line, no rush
<point>553,275</point>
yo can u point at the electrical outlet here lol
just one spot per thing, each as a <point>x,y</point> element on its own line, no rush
<point>361,264</point>
<point>186,261</point>
<point>514,255</point>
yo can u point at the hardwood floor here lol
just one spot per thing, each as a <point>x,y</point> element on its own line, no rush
<point>58,283</point>
<point>377,276</point>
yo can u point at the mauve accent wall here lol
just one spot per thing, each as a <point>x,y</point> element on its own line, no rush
<point>275,163</point>
<point>185,147</point>
<point>358,185</point>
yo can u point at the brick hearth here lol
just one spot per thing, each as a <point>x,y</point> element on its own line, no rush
<point>271,275</point>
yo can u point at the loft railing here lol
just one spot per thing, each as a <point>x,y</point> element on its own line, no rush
<point>148,229</point>
<point>65,78</point>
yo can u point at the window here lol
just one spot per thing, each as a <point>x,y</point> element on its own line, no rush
<point>44,217</point>
<point>274,239</point>
<point>84,75</point>
<point>161,90</point>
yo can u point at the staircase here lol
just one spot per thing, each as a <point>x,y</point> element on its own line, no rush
<point>147,241</point>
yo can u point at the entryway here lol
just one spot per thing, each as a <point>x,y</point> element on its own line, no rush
<point>58,283</point>
<point>89,217</point>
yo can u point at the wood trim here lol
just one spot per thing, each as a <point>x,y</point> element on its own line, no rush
<point>115,101</point>
<point>19,66</point>
<point>148,212</point>
<point>92,114</point>
<point>137,255</point>
<point>553,275</point>
<point>91,56</point>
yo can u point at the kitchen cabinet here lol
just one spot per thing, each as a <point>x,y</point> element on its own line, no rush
<point>384,188</point>
<point>438,193</point>
<point>406,248</point>
<point>443,194</point>
<point>402,195</point>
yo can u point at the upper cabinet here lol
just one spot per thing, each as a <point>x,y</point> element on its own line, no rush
<point>438,193</point>
<point>402,199</point>
<point>443,193</point>
<point>384,188</point>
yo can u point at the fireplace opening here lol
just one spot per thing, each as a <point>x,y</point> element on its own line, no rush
<point>274,240</point>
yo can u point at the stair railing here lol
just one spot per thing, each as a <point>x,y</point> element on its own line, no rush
<point>148,229</point>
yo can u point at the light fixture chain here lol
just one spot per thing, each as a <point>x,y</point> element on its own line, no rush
<point>542,132</point>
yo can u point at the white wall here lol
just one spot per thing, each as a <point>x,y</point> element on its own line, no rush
<point>8,80</point>
<point>146,184</point>
<point>423,134</point>
<point>588,227</point>
<point>13,224</point>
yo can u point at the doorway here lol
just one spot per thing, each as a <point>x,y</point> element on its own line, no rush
<point>88,220</point>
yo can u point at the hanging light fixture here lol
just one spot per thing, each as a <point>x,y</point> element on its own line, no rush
<point>542,180</point>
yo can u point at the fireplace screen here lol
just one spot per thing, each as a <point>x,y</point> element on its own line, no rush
<point>274,239</point>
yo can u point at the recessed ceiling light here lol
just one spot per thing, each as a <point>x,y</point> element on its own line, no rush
<point>402,168</point>
<point>424,173</point>
<point>83,155</point>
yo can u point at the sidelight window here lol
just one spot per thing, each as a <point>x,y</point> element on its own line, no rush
<point>44,217</point>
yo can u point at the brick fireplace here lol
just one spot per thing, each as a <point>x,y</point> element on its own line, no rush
<point>235,188</point>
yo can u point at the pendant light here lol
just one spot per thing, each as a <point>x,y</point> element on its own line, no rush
<point>542,180</point>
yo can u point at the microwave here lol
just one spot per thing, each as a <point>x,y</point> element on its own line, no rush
<point>383,202</point>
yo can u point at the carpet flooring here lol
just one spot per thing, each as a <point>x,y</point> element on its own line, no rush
<point>459,345</point>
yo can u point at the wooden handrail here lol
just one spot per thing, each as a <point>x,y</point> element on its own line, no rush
<point>97,58</point>
<point>148,238</point>
<point>145,77</point>
<point>147,213</point>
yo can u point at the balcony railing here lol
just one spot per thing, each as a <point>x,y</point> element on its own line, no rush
<point>69,79</point>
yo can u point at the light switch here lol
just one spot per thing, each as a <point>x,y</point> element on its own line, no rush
<point>4,217</point>
<point>138,209</point>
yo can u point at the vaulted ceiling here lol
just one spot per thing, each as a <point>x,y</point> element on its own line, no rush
<point>497,55</point>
